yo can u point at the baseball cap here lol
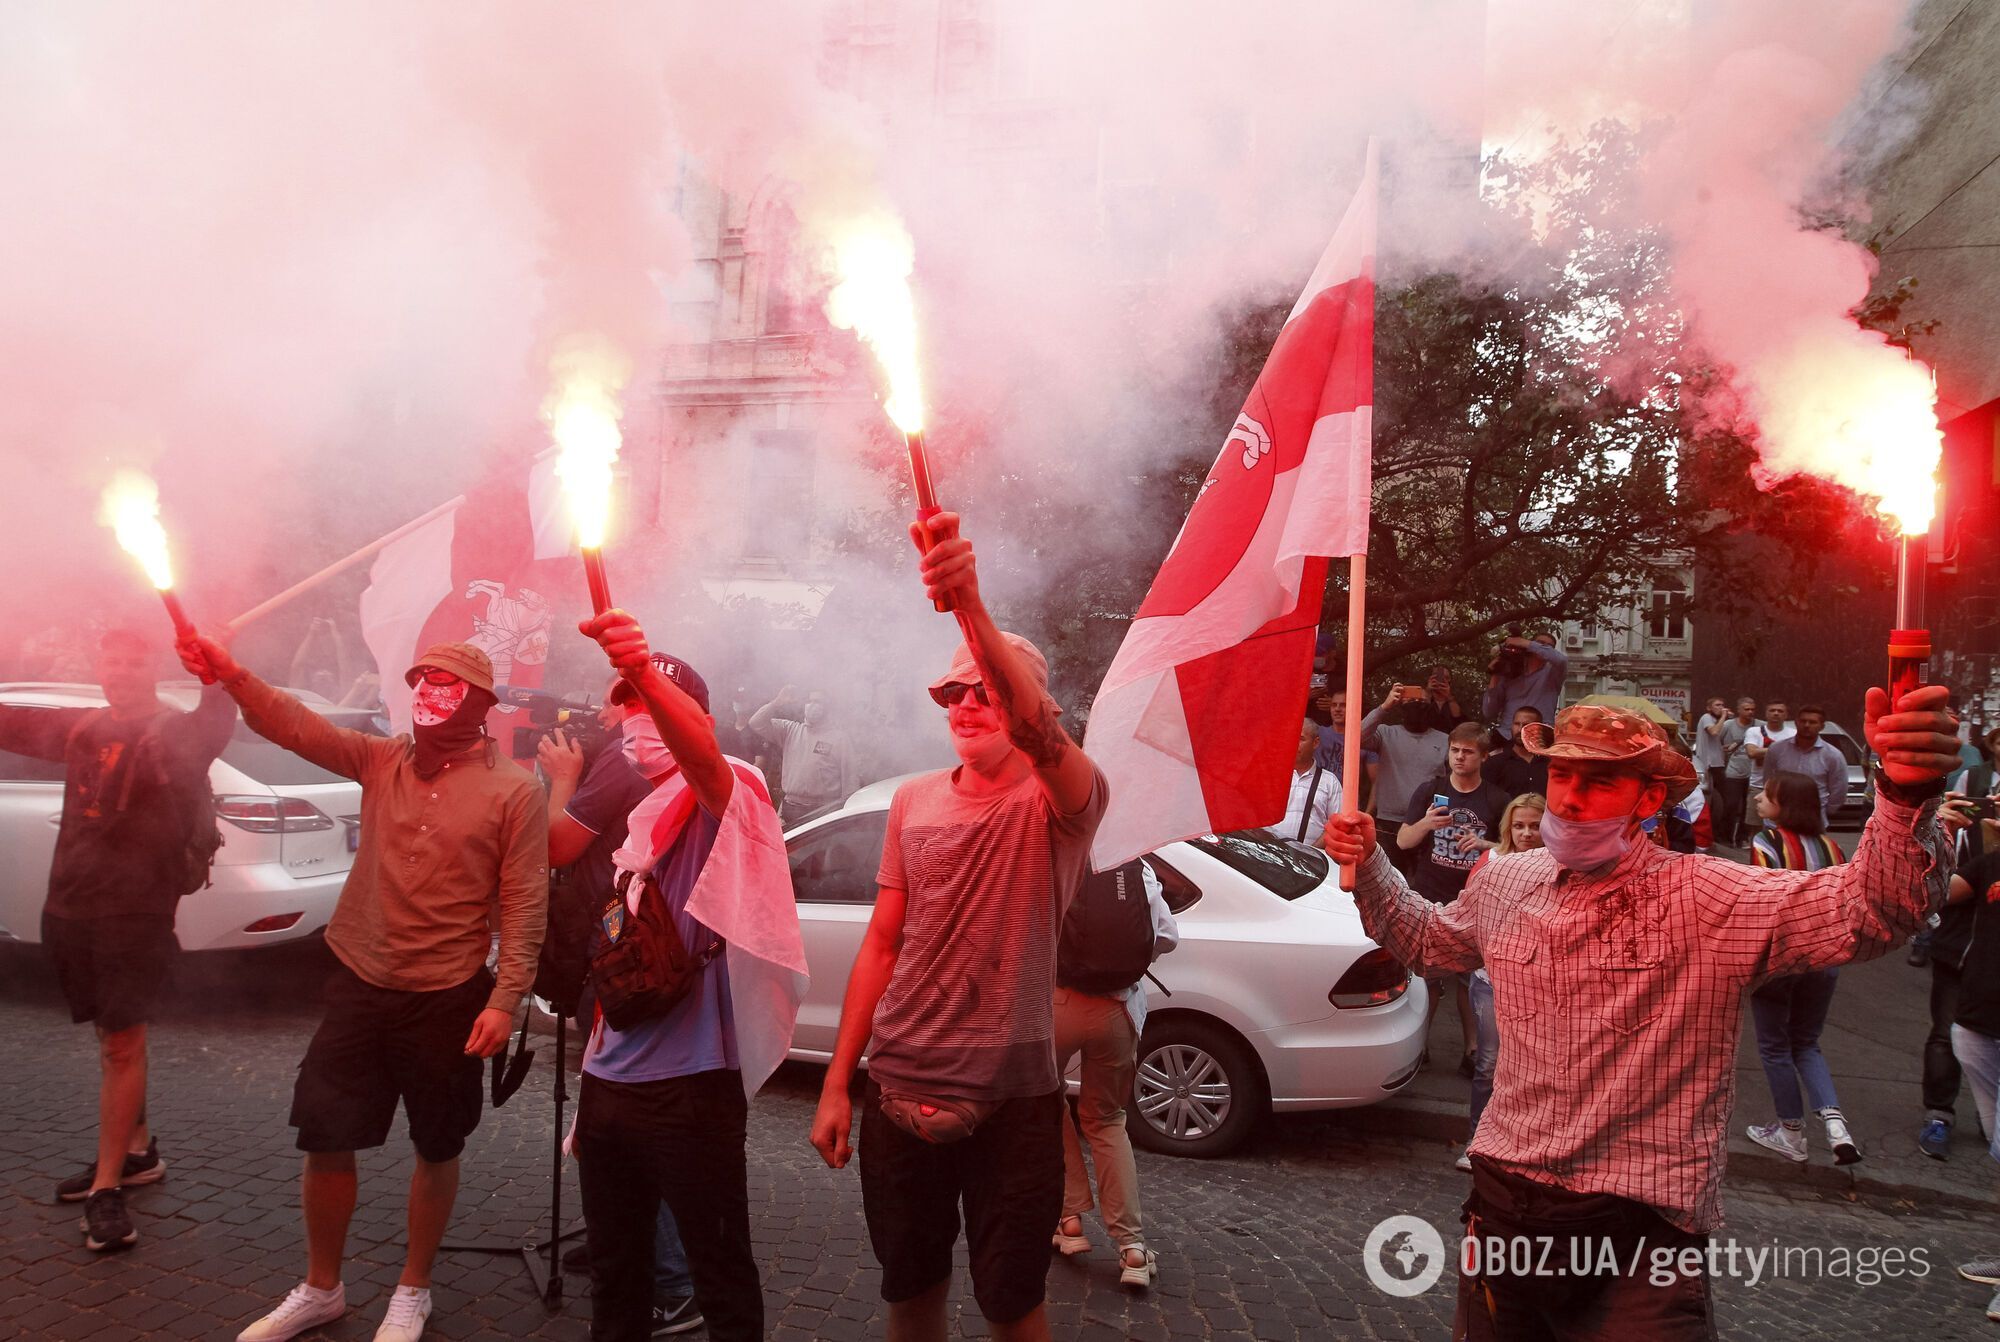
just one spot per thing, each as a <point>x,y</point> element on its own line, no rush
<point>679,672</point>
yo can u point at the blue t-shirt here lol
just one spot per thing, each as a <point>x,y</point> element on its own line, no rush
<point>698,1035</point>
<point>1332,753</point>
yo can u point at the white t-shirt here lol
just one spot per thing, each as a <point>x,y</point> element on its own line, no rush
<point>1761,737</point>
<point>1708,749</point>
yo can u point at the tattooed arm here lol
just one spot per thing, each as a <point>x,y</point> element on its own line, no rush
<point>951,575</point>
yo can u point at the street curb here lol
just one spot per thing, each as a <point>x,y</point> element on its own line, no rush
<point>1412,1117</point>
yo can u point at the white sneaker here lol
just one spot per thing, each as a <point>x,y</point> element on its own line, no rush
<point>409,1307</point>
<point>1787,1142</point>
<point>1845,1152</point>
<point>306,1307</point>
<point>1464,1161</point>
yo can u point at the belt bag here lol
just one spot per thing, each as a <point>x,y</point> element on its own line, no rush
<point>645,969</point>
<point>937,1119</point>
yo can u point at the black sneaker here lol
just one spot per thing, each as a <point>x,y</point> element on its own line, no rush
<point>676,1316</point>
<point>105,1224</point>
<point>143,1169</point>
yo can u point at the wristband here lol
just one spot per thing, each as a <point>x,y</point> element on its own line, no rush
<point>1908,794</point>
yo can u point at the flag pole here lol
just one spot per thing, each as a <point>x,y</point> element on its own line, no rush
<point>337,567</point>
<point>1350,754</point>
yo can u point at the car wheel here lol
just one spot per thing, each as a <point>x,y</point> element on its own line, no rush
<point>1198,1090</point>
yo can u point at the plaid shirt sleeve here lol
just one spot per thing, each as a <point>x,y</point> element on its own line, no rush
<point>1429,938</point>
<point>1795,922</point>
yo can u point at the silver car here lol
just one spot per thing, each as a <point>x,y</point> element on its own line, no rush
<point>1274,1000</point>
<point>289,831</point>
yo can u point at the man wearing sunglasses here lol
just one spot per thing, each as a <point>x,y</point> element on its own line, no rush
<point>955,982</point>
<point>454,842</point>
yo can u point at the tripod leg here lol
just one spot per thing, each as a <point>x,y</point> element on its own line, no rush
<point>553,1294</point>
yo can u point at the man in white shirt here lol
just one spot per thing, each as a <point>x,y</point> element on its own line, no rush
<point>1708,757</point>
<point>1315,792</point>
<point>1775,727</point>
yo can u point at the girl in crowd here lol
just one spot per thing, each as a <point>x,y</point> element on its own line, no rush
<point>1520,832</point>
<point>1790,1012</point>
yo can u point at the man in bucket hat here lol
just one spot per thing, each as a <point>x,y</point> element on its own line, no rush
<point>453,843</point>
<point>1619,971</point>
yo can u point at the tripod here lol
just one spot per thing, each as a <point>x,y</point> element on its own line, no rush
<point>546,1276</point>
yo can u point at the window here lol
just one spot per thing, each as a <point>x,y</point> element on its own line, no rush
<point>1666,610</point>
<point>1287,870</point>
<point>27,769</point>
<point>836,863</point>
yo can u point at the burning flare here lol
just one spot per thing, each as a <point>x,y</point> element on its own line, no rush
<point>131,508</point>
<point>1854,411</point>
<point>873,257</point>
<point>583,412</point>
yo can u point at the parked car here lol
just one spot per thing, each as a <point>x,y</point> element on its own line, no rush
<point>1860,776</point>
<point>289,831</point>
<point>1274,1000</point>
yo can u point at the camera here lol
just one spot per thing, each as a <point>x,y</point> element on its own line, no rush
<point>1509,662</point>
<point>571,714</point>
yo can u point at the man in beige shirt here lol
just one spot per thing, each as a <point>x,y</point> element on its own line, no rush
<point>454,839</point>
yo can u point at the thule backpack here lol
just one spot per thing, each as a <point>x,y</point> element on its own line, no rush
<point>1107,936</point>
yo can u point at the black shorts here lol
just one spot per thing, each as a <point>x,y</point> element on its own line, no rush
<point>375,1046</point>
<point>112,969</point>
<point>1009,1176</point>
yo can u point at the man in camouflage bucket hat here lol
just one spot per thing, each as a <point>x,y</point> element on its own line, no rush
<point>1619,971</point>
<point>454,846</point>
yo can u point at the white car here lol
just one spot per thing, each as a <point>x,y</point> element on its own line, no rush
<point>1275,998</point>
<point>289,831</point>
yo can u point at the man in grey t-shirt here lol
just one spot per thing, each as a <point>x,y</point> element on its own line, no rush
<point>955,981</point>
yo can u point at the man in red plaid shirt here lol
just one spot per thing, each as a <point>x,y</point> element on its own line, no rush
<point>1619,971</point>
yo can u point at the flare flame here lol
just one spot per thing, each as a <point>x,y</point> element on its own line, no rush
<point>583,413</point>
<point>131,508</point>
<point>873,257</point>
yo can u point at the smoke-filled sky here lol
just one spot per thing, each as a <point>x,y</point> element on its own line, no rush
<point>308,264</point>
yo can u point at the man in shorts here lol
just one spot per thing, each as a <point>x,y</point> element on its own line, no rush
<point>454,841</point>
<point>133,774</point>
<point>955,981</point>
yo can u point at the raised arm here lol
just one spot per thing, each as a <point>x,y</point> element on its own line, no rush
<point>281,719</point>
<point>39,733</point>
<point>765,721</point>
<point>685,725</point>
<point>1429,938</point>
<point>950,575</point>
<point>1371,725</point>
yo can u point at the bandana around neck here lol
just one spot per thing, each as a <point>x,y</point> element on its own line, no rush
<point>441,741</point>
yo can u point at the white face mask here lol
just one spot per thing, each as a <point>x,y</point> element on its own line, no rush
<point>644,748</point>
<point>815,714</point>
<point>433,704</point>
<point>1585,845</point>
<point>984,752</point>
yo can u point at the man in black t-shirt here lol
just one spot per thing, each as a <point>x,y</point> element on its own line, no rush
<point>1511,768</point>
<point>1445,839</point>
<point>134,771</point>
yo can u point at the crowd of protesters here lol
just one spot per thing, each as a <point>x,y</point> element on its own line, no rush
<point>994,958</point>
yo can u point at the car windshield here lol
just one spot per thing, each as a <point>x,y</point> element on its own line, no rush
<point>1845,744</point>
<point>276,766</point>
<point>1287,870</point>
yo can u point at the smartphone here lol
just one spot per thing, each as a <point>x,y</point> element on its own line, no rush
<point>1409,694</point>
<point>1985,808</point>
<point>1439,799</point>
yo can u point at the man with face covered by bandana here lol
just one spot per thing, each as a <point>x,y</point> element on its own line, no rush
<point>1619,970</point>
<point>453,846</point>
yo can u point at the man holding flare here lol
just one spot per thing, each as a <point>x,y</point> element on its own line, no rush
<point>1619,971</point>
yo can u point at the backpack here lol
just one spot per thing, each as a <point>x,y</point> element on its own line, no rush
<point>1107,935</point>
<point>196,862</point>
<point>644,969</point>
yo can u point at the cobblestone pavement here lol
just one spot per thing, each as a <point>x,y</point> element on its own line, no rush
<point>1263,1245</point>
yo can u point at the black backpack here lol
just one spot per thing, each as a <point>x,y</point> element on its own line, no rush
<point>1107,936</point>
<point>204,835</point>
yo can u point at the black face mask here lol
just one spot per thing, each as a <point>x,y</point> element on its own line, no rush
<point>455,735</point>
<point>1417,717</point>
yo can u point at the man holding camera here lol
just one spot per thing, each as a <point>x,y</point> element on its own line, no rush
<point>453,840</point>
<point>1524,673</point>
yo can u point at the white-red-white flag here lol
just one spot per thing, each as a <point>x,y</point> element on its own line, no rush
<point>489,572</point>
<point>1197,722</point>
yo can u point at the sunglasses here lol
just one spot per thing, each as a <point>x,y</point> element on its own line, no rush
<point>948,696</point>
<point>433,676</point>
